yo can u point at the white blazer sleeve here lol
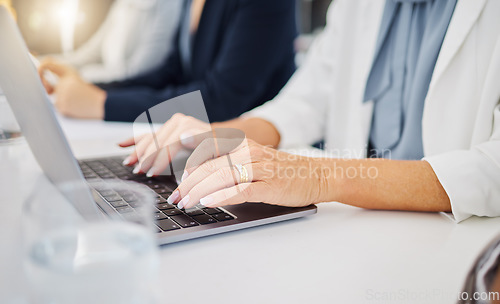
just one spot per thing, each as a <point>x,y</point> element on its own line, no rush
<point>471,178</point>
<point>299,111</point>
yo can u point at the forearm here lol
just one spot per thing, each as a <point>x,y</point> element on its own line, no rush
<point>256,129</point>
<point>383,184</point>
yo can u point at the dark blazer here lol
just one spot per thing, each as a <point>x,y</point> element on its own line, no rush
<point>242,55</point>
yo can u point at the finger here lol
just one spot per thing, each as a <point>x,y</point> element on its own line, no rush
<point>56,68</point>
<point>252,192</point>
<point>212,149</point>
<point>223,178</point>
<point>168,136</point>
<point>191,139</point>
<point>48,87</point>
<point>162,161</point>
<point>189,181</point>
<point>140,147</point>
<point>148,157</point>
<point>127,142</point>
<point>192,176</point>
<point>131,159</point>
<point>211,144</point>
<point>156,141</point>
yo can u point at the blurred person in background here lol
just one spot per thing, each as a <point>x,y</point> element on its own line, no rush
<point>135,38</point>
<point>8,4</point>
<point>238,53</point>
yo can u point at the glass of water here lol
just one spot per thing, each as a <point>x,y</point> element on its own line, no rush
<point>73,259</point>
<point>9,128</point>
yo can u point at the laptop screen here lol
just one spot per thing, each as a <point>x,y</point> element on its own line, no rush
<point>35,114</point>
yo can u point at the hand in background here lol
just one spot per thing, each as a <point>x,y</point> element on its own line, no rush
<point>73,96</point>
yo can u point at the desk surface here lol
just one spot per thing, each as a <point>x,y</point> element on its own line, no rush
<point>340,255</point>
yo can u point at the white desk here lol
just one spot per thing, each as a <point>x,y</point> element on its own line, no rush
<point>340,255</point>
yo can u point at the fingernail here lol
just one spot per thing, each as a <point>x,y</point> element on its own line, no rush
<point>186,138</point>
<point>207,201</point>
<point>151,172</point>
<point>137,169</point>
<point>126,162</point>
<point>183,202</point>
<point>184,175</point>
<point>172,198</point>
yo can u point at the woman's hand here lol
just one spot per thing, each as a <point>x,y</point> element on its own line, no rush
<point>271,176</point>
<point>74,97</point>
<point>154,152</point>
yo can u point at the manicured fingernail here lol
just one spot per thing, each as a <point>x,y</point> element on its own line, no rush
<point>186,138</point>
<point>183,202</point>
<point>172,198</point>
<point>151,172</point>
<point>126,162</point>
<point>137,169</point>
<point>184,175</point>
<point>207,201</point>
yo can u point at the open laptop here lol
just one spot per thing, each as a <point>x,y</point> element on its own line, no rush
<point>34,112</point>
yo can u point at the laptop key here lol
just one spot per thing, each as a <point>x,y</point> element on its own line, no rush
<point>135,204</point>
<point>163,191</point>
<point>171,212</point>
<point>165,206</point>
<point>112,197</point>
<point>129,197</point>
<point>159,216</point>
<point>184,221</point>
<point>106,192</point>
<point>107,175</point>
<point>167,225</point>
<point>160,200</point>
<point>117,204</point>
<point>125,209</point>
<point>223,217</point>
<point>193,212</point>
<point>204,219</point>
<point>212,210</point>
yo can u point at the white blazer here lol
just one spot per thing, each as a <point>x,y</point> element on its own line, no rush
<point>461,119</point>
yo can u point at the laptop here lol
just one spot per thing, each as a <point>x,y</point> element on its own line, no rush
<point>35,114</point>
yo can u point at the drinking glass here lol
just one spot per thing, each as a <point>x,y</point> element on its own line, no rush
<point>73,259</point>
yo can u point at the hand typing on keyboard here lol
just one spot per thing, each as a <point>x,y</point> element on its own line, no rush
<point>248,173</point>
<point>154,152</point>
<point>225,168</point>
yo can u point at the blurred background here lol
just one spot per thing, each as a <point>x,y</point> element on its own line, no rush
<point>55,26</point>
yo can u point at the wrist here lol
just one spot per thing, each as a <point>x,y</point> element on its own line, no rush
<point>100,98</point>
<point>331,181</point>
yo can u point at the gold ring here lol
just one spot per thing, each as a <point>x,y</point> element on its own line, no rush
<point>243,173</point>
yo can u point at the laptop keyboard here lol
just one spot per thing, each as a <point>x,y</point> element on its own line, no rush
<point>168,217</point>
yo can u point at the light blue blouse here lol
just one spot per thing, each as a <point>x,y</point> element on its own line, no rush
<point>410,38</point>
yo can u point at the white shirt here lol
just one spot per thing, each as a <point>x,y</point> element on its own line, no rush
<point>461,120</point>
<point>135,38</point>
